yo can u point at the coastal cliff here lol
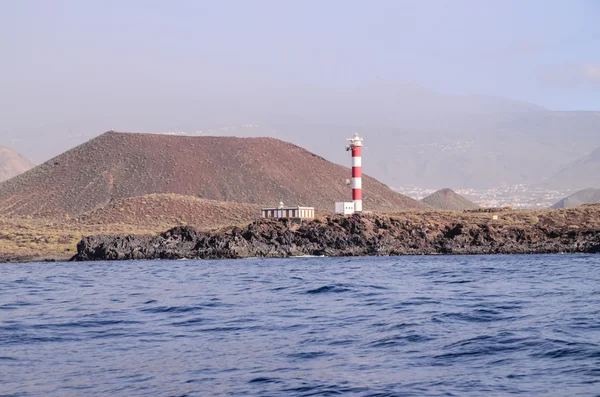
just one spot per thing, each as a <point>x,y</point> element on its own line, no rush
<point>418,233</point>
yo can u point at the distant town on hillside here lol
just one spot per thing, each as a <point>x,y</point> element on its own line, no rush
<point>516,196</point>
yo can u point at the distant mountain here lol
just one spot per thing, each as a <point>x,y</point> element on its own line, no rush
<point>261,171</point>
<point>460,150</point>
<point>579,174</point>
<point>413,135</point>
<point>586,196</point>
<point>448,199</point>
<point>12,163</point>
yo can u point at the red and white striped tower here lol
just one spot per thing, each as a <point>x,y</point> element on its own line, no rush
<point>355,146</point>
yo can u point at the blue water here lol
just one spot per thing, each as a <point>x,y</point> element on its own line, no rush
<point>408,326</point>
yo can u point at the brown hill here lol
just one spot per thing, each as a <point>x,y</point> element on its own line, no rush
<point>35,238</point>
<point>243,170</point>
<point>449,200</point>
<point>12,163</point>
<point>172,210</point>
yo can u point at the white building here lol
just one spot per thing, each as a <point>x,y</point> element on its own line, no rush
<point>344,208</point>
<point>288,212</point>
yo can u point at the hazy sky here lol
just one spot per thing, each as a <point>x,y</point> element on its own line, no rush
<point>76,63</point>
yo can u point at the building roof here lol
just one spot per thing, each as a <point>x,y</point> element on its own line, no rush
<point>289,208</point>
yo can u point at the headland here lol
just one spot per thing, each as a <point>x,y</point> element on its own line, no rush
<point>147,196</point>
<point>410,233</point>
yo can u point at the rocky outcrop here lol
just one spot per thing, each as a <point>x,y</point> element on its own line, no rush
<point>362,235</point>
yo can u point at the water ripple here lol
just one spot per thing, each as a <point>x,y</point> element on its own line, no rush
<point>409,326</point>
<point>335,288</point>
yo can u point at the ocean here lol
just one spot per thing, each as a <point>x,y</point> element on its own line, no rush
<point>384,326</point>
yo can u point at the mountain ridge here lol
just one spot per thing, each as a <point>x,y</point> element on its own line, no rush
<point>416,136</point>
<point>586,196</point>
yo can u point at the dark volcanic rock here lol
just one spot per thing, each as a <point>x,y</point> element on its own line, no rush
<point>359,235</point>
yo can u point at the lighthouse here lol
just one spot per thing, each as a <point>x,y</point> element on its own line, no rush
<point>355,147</point>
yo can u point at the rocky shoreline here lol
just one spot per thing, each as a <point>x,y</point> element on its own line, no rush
<point>418,233</point>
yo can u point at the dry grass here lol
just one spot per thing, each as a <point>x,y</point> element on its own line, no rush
<point>23,237</point>
<point>26,236</point>
<point>585,216</point>
<point>42,237</point>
